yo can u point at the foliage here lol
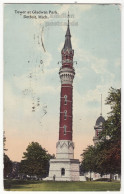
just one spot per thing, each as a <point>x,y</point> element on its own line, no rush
<point>88,163</point>
<point>112,127</point>
<point>36,160</point>
<point>7,162</point>
<point>108,158</point>
<point>4,141</point>
<point>7,165</point>
<point>111,146</point>
<point>105,157</point>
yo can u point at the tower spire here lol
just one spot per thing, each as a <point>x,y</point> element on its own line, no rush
<point>101,105</point>
<point>67,44</point>
<point>68,18</point>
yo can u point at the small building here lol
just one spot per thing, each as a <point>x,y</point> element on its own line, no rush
<point>98,128</point>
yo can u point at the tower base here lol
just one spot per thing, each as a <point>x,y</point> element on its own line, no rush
<point>64,170</point>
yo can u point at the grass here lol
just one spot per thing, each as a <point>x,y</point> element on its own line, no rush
<point>18,185</point>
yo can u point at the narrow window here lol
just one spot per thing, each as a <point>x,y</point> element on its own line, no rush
<point>65,114</point>
<point>65,97</point>
<point>65,127</point>
<point>62,171</point>
<point>98,132</point>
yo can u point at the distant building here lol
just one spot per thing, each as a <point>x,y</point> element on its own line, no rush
<point>98,128</point>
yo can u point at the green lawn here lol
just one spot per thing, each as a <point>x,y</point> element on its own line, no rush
<point>18,185</point>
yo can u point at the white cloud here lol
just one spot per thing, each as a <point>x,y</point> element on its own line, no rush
<point>72,8</point>
<point>9,99</point>
<point>60,47</point>
<point>98,65</point>
<point>64,8</point>
<point>15,104</point>
<point>36,81</point>
<point>118,62</point>
<point>94,95</point>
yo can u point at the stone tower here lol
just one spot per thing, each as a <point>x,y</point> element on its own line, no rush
<point>65,167</point>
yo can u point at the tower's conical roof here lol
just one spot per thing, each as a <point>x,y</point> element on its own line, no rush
<point>67,44</point>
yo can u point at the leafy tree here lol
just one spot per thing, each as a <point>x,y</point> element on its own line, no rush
<point>112,132</point>
<point>104,163</point>
<point>106,156</point>
<point>7,162</point>
<point>36,160</point>
<point>88,163</point>
<point>112,127</point>
<point>7,165</point>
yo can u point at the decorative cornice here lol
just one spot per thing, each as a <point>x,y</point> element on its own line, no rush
<point>63,143</point>
<point>68,61</point>
<point>66,75</point>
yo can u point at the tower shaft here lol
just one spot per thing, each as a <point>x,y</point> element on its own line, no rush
<point>65,167</point>
<point>66,103</point>
<point>66,74</point>
<point>65,129</point>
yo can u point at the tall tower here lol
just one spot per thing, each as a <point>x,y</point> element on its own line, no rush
<point>66,74</point>
<point>65,167</point>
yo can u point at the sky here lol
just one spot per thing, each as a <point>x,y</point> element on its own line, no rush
<point>32,50</point>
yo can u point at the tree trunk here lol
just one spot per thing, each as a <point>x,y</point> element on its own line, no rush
<point>90,175</point>
<point>110,177</point>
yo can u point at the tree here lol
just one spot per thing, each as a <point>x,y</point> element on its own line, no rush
<point>7,165</point>
<point>105,163</point>
<point>7,162</point>
<point>112,130</point>
<point>112,127</point>
<point>36,160</point>
<point>106,155</point>
<point>88,160</point>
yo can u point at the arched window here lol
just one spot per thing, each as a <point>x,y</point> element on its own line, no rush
<point>62,171</point>
<point>65,127</point>
<point>65,114</point>
<point>65,97</point>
